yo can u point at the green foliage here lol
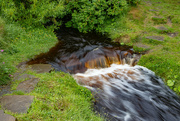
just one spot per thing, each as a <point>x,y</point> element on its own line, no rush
<point>90,15</point>
<point>32,12</point>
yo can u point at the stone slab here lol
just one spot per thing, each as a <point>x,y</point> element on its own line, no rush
<point>6,117</point>
<point>158,38</point>
<point>28,85</point>
<point>41,68</point>
<point>22,77</point>
<point>16,103</point>
<point>162,28</point>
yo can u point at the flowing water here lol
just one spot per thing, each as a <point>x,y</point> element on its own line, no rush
<point>127,93</point>
<point>122,90</point>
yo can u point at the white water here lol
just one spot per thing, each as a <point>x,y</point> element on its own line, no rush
<point>127,93</point>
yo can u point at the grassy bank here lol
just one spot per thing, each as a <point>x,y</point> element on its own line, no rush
<point>57,95</point>
<point>163,57</point>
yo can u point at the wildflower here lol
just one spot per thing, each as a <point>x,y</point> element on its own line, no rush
<point>2,50</point>
<point>10,75</point>
<point>3,62</point>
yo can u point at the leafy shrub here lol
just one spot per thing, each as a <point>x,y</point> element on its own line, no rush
<point>32,12</point>
<point>85,15</point>
<point>92,14</point>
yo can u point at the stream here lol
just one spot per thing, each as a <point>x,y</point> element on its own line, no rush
<point>123,90</point>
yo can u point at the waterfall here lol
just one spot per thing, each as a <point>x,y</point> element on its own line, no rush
<point>126,93</point>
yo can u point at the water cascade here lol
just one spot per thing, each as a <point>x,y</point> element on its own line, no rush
<point>126,93</point>
<point>123,91</point>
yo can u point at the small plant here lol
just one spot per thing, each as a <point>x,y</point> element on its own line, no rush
<point>171,84</point>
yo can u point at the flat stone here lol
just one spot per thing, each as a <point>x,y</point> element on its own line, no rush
<point>28,85</point>
<point>6,117</point>
<point>22,77</point>
<point>16,103</point>
<point>41,68</point>
<point>142,45</point>
<point>162,28</point>
<point>157,17</point>
<point>5,89</point>
<point>152,10</point>
<point>158,38</point>
<point>172,34</point>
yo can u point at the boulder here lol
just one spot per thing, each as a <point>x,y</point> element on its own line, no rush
<point>16,103</point>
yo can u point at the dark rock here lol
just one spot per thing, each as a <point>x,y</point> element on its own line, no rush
<point>162,28</point>
<point>41,68</point>
<point>158,38</point>
<point>28,85</point>
<point>16,103</point>
<point>172,34</point>
<point>6,117</point>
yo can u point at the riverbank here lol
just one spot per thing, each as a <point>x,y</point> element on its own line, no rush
<point>153,27</point>
<point>57,96</point>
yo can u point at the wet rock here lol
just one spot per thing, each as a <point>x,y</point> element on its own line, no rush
<point>6,117</point>
<point>28,85</point>
<point>41,68</point>
<point>158,38</point>
<point>16,103</point>
<point>162,28</point>
<point>173,34</point>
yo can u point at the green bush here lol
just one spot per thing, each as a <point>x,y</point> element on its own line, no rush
<point>86,15</point>
<point>90,15</point>
<point>32,12</point>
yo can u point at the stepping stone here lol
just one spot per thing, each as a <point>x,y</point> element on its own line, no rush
<point>5,89</point>
<point>16,103</point>
<point>162,28</point>
<point>28,85</point>
<point>41,68</point>
<point>152,10</point>
<point>6,117</point>
<point>22,77</point>
<point>172,34</point>
<point>140,45</point>
<point>158,38</point>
